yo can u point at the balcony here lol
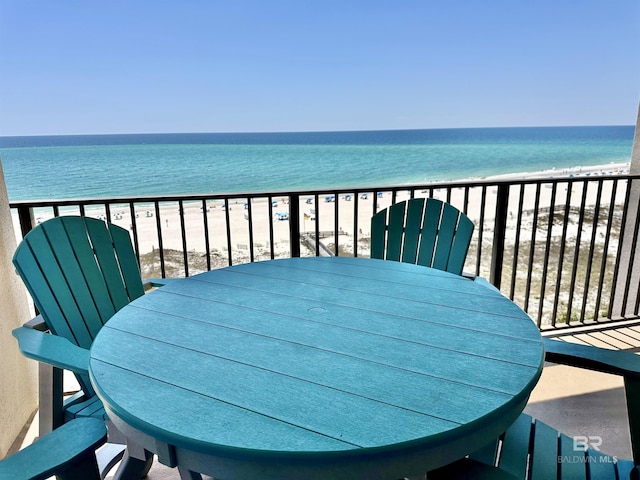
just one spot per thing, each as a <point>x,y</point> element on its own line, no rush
<point>563,249</point>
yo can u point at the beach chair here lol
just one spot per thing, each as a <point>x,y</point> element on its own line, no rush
<point>534,450</point>
<point>426,232</point>
<point>68,453</point>
<point>79,272</point>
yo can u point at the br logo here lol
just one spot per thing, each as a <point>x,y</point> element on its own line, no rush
<point>583,442</point>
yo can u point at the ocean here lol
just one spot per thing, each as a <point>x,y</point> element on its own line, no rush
<point>56,167</point>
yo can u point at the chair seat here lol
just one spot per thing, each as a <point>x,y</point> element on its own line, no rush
<point>532,449</point>
<point>91,408</point>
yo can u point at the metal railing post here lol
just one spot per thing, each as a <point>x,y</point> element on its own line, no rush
<point>50,391</point>
<point>497,253</point>
<point>25,215</point>
<point>294,224</point>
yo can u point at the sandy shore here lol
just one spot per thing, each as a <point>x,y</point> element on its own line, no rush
<point>235,220</point>
<point>574,172</point>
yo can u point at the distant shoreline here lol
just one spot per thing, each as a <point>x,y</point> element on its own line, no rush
<point>571,172</point>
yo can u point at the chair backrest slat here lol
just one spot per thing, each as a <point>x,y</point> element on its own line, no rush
<point>430,227</point>
<point>378,234</point>
<point>412,229</point>
<point>424,231</point>
<point>395,231</point>
<point>128,263</point>
<point>446,234</point>
<point>460,245</point>
<point>37,277</point>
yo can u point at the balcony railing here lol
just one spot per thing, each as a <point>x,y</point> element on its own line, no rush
<point>552,245</point>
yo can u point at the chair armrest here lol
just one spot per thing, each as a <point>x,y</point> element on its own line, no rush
<point>615,362</point>
<point>150,283</point>
<point>52,349</point>
<point>37,323</point>
<point>485,283</point>
<point>68,449</point>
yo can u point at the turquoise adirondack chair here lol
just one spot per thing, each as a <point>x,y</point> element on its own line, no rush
<point>67,452</point>
<point>534,450</point>
<point>79,272</point>
<point>426,232</point>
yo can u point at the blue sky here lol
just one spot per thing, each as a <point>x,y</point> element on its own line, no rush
<point>77,66</point>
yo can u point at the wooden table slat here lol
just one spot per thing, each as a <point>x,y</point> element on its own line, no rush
<point>232,427</point>
<point>328,411</point>
<point>420,392</point>
<point>291,297</point>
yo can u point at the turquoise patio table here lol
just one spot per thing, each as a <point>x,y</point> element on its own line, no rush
<point>316,368</point>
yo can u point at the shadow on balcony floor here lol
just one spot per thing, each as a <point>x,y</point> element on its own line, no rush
<point>582,402</point>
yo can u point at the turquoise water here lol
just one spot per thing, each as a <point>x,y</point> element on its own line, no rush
<point>165,164</point>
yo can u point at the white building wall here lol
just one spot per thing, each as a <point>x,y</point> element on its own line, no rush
<point>629,257</point>
<point>18,375</point>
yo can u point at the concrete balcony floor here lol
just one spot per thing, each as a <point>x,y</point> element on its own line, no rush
<point>582,402</point>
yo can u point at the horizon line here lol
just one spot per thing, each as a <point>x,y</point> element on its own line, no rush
<point>307,131</point>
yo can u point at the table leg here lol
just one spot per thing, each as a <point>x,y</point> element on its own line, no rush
<point>51,414</point>
<point>188,474</point>
<point>135,463</point>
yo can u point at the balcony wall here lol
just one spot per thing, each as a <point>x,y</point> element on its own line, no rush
<point>629,273</point>
<point>18,376</point>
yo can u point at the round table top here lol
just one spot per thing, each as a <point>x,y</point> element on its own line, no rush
<point>316,360</point>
